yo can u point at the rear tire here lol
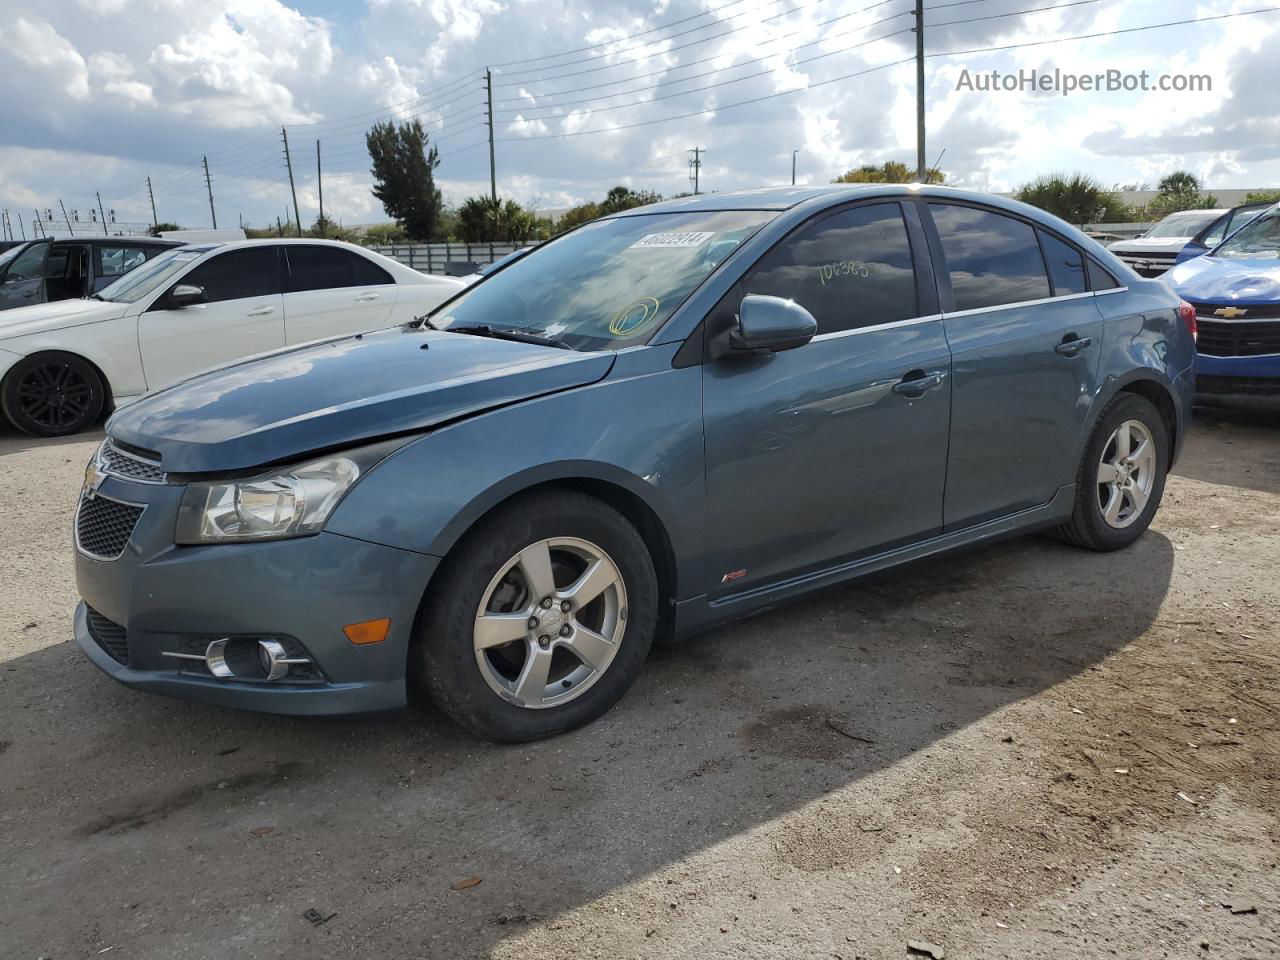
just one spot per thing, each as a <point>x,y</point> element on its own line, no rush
<point>1121,478</point>
<point>52,394</point>
<point>495,650</point>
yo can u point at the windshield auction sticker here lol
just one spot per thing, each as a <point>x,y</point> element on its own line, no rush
<point>678,239</point>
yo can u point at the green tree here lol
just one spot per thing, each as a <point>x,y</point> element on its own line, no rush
<point>624,198</point>
<point>382,235</point>
<point>404,177</point>
<point>1177,191</point>
<point>576,216</point>
<point>1074,197</point>
<point>891,171</point>
<point>161,227</point>
<point>1263,196</point>
<point>326,229</point>
<point>483,219</point>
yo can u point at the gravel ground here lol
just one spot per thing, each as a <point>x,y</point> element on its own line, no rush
<point>1020,751</point>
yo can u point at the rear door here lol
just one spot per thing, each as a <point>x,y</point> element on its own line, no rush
<point>330,292</point>
<point>244,315</point>
<point>23,282</point>
<point>1025,337</point>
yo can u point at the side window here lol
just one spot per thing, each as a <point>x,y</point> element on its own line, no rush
<point>28,264</point>
<point>1066,265</point>
<point>237,274</point>
<point>850,269</point>
<point>1100,277</point>
<point>116,261</point>
<point>992,259</point>
<point>325,268</point>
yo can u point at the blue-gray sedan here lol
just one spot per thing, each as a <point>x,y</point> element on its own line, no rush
<point>657,422</point>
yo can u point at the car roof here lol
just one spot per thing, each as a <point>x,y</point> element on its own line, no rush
<point>819,195</point>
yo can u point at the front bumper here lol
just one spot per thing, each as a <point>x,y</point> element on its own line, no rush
<point>1245,380</point>
<point>170,598</point>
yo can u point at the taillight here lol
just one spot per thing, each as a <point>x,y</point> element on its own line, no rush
<point>1188,314</point>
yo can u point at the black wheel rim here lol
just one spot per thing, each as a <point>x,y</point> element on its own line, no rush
<point>54,396</point>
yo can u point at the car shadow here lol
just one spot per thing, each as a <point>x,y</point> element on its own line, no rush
<point>14,441</point>
<point>1235,447</point>
<point>221,827</point>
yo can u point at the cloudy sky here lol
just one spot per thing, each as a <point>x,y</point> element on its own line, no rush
<point>99,94</point>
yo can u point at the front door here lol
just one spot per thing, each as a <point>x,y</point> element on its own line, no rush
<point>1026,337</point>
<point>244,315</point>
<point>23,282</point>
<point>837,448</point>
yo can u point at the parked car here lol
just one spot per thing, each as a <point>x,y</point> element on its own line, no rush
<point>488,268</point>
<point>662,420</point>
<point>1213,234</point>
<point>43,271</point>
<point>189,309</point>
<point>1235,290</point>
<point>1155,251</point>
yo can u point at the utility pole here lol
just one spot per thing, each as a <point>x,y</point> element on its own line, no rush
<point>208,182</point>
<point>921,171</point>
<point>493,170</point>
<point>320,190</point>
<point>155,221</point>
<point>793,167</point>
<point>102,213</point>
<point>5,229</point>
<point>20,227</point>
<point>70,229</point>
<point>288,162</point>
<point>279,229</point>
<point>43,232</point>
<point>695,166</point>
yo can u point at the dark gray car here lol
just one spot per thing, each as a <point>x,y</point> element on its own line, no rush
<point>658,422</point>
<point>41,271</point>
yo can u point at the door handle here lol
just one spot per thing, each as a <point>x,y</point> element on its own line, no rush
<point>366,297</point>
<point>917,382</point>
<point>1072,345</point>
<point>262,311</point>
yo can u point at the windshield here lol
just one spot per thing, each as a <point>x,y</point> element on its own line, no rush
<point>152,275</point>
<point>1183,224</point>
<point>609,284</point>
<point>1260,240</point>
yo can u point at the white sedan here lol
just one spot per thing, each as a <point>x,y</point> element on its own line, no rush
<point>196,307</point>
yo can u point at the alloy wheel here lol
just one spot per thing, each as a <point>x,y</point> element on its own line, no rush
<point>550,622</point>
<point>54,396</point>
<point>1126,473</point>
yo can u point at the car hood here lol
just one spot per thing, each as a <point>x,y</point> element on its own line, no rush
<point>335,393</point>
<point>1150,245</point>
<point>44,317</point>
<point>1210,279</point>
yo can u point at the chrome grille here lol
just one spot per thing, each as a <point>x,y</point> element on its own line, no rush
<point>109,635</point>
<point>1148,264</point>
<point>103,526</point>
<point>113,460</point>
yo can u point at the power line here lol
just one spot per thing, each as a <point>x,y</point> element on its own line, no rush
<point>742,63</point>
<point>1016,13</point>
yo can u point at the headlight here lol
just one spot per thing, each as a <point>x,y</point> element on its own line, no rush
<point>292,503</point>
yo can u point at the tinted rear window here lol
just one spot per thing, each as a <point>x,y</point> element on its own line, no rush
<point>992,259</point>
<point>1066,265</point>
<point>326,268</point>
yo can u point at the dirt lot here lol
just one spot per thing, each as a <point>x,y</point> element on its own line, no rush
<point>1024,751</point>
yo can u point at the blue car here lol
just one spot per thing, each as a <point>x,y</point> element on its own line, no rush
<point>660,421</point>
<point>1235,290</point>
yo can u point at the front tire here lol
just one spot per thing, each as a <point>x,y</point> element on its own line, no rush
<point>52,395</point>
<point>1122,476</point>
<point>540,619</point>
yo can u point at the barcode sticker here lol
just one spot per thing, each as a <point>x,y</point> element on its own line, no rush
<point>678,239</point>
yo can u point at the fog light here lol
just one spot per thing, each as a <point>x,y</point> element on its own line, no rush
<point>275,659</point>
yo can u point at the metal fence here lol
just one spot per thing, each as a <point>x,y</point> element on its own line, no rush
<point>450,259</point>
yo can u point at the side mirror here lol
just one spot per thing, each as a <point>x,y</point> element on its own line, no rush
<point>771,324</point>
<point>185,295</point>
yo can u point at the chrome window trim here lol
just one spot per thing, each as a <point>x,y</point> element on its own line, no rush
<point>75,526</point>
<point>834,334</point>
<point>1210,318</point>
<point>1031,303</point>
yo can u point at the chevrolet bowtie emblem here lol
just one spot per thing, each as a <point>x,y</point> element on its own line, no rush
<point>1229,313</point>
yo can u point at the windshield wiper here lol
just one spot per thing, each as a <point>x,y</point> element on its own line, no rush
<point>507,333</point>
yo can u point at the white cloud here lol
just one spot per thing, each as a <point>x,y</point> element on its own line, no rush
<point>38,44</point>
